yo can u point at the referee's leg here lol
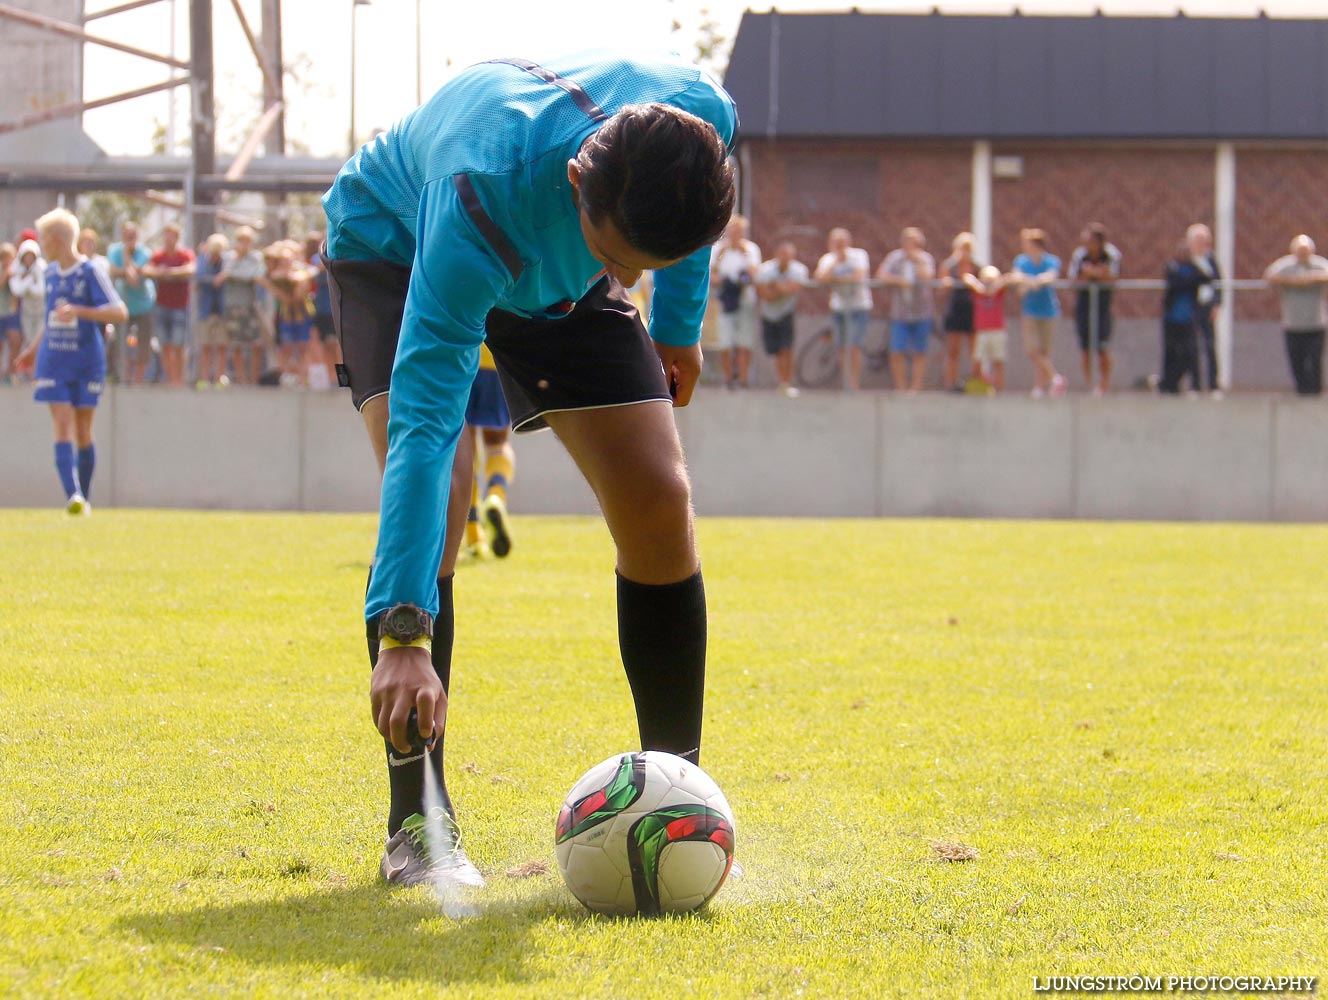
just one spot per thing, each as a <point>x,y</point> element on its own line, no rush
<point>633,460</point>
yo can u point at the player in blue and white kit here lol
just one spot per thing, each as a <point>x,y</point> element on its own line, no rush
<point>70,356</point>
<point>513,209</point>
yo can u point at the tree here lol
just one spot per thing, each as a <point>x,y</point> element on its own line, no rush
<point>105,210</point>
<point>711,45</point>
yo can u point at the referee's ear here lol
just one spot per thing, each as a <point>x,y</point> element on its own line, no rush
<point>574,178</point>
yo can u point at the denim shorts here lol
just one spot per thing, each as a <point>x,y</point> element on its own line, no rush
<point>172,325</point>
<point>909,336</point>
<point>850,326</point>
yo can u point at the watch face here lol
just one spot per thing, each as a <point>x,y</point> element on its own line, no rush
<point>405,623</point>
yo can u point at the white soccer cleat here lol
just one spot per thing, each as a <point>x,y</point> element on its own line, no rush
<point>78,506</point>
<point>428,851</point>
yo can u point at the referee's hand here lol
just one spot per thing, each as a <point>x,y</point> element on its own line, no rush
<point>404,679</point>
<point>682,367</point>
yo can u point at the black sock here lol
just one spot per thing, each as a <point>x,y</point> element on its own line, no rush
<point>407,780</point>
<point>662,635</point>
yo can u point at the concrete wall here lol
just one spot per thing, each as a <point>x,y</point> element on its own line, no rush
<point>751,453</point>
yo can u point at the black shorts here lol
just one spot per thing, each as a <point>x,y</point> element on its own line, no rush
<point>959,316</point>
<point>1082,327</point>
<point>324,327</point>
<point>777,334</point>
<point>598,355</point>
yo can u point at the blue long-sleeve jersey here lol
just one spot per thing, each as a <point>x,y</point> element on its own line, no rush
<point>470,190</point>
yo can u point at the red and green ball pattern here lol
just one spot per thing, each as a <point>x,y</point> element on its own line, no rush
<point>601,805</point>
<point>670,825</point>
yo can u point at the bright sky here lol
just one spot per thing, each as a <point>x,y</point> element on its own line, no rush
<point>317,44</point>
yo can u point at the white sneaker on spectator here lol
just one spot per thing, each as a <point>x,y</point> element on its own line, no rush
<point>1057,386</point>
<point>1217,394</point>
<point>791,391</point>
<point>1037,392</point>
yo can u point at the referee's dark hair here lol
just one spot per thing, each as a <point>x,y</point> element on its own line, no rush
<point>662,175</point>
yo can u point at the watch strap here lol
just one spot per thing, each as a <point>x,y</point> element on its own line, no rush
<point>423,642</point>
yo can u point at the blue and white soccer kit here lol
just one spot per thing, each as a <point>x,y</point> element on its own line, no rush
<point>71,360</point>
<point>471,192</point>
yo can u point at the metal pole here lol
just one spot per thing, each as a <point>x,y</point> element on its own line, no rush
<point>1224,316</point>
<point>354,8</point>
<point>273,58</point>
<point>191,240</point>
<point>71,31</point>
<point>1094,291</point>
<point>118,9</point>
<point>203,147</point>
<point>77,108</point>
<point>170,107</point>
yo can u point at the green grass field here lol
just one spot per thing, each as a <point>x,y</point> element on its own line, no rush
<point>1129,723</point>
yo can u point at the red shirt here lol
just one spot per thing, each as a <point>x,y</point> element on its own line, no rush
<point>989,312</point>
<point>173,293</point>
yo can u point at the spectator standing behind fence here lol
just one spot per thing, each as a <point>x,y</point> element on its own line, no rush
<point>734,262</point>
<point>212,330</point>
<point>89,245</point>
<point>778,283</point>
<point>242,267</point>
<point>1037,270</point>
<point>27,283</point>
<point>292,291</point>
<point>1096,262</point>
<point>990,344</point>
<point>139,294</point>
<point>11,327</point>
<point>324,348</point>
<point>845,268</point>
<point>908,272</point>
<point>1301,278</point>
<point>1180,308</point>
<point>1200,240</point>
<point>172,267</point>
<point>958,321</point>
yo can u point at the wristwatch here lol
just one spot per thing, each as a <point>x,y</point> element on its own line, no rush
<point>405,624</point>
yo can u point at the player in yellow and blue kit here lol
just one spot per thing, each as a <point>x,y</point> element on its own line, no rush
<point>489,423</point>
<point>70,357</point>
<point>512,209</point>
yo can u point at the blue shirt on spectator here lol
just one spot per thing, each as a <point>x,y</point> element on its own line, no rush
<point>1180,302</point>
<point>1041,303</point>
<point>209,295</point>
<point>140,298</point>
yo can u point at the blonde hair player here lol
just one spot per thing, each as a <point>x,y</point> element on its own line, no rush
<point>68,356</point>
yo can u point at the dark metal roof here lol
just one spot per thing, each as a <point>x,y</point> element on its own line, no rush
<point>951,76</point>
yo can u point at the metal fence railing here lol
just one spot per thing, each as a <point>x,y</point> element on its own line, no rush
<point>1243,319</point>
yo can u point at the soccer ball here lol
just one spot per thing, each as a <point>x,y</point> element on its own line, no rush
<point>645,833</point>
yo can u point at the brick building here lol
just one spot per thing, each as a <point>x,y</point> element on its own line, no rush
<point>990,124</point>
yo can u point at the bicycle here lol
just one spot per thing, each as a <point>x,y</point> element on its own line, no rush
<point>817,361</point>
